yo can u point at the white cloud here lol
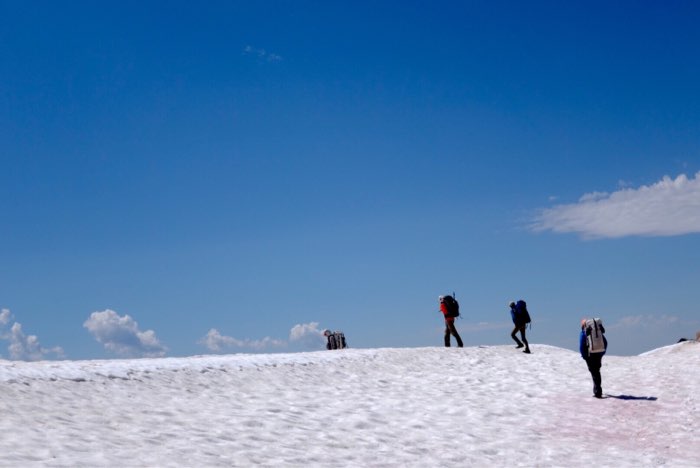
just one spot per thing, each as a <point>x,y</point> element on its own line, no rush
<point>24,347</point>
<point>27,347</point>
<point>5,316</point>
<point>302,336</point>
<point>121,335</point>
<point>215,341</point>
<point>307,335</point>
<point>670,207</point>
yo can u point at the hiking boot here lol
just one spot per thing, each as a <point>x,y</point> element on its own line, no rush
<point>519,346</point>
<point>527,351</point>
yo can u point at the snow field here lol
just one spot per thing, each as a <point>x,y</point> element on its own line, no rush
<point>476,406</point>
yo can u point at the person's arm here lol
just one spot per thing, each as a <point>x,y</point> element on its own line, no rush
<point>582,347</point>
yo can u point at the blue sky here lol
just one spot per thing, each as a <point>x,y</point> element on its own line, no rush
<point>236,177</point>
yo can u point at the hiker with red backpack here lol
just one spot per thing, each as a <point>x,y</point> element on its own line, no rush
<point>450,309</point>
<point>520,317</point>
<point>592,345</point>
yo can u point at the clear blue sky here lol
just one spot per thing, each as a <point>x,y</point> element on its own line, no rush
<point>180,179</point>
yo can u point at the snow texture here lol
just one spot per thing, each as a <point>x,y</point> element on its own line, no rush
<point>477,406</point>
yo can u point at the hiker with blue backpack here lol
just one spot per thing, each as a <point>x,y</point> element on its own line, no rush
<point>592,345</point>
<point>450,310</point>
<point>520,317</point>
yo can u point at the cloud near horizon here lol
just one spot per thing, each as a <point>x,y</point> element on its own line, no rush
<point>646,321</point>
<point>121,335</point>
<point>24,347</point>
<point>215,341</point>
<point>305,336</point>
<point>670,207</point>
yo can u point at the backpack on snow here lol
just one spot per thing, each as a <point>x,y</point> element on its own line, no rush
<point>594,335</point>
<point>451,305</point>
<point>521,313</point>
<point>336,340</point>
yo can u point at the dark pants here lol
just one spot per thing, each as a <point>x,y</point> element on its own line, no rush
<point>521,329</point>
<point>594,361</point>
<point>451,330</point>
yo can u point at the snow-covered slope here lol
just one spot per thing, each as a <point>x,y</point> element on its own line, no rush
<point>480,406</point>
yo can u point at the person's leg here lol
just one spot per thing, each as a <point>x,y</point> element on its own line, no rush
<point>522,335</point>
<point>594,362</point>
<point>447,334</point>
<point>515,338</point>
<point>597,377</point>
<point>453,330</point>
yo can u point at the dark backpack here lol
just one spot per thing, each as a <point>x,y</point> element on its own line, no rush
<point>336,340</point>
<point>521,313</point>
<point>451,305</point>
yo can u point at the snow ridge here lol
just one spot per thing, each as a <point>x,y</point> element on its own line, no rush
<point>476,406</point>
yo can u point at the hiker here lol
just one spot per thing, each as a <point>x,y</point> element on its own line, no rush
<point>520,317</point>
<point>450,309</point>
<point>593,344</point>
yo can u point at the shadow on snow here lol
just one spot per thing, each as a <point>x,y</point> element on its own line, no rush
<point>630,397</point>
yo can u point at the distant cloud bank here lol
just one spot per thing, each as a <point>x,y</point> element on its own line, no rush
<point>23,347</point>
<point>121,335</point>
<point>215,341</point>
<point>304,336</point>
<point>670,207</point>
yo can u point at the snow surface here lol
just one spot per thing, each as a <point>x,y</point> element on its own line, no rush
<point>478,406</point>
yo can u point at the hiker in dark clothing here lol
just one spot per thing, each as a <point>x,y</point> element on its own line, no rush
<point>449,321</point>
<point>594,360</point>
<point>519,323</point>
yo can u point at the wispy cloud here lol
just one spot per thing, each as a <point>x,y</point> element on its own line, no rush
<point>216,342</point>
<point>261,54</point>
<point>646,321</point>
<point>23,347</point>
<point>302,336</point>
<point>5,316</point>
<point>121,335</point>
<point>670,207</point>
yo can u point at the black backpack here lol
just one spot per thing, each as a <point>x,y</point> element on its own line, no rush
<point>451,305</point>
<point>521,312</point>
